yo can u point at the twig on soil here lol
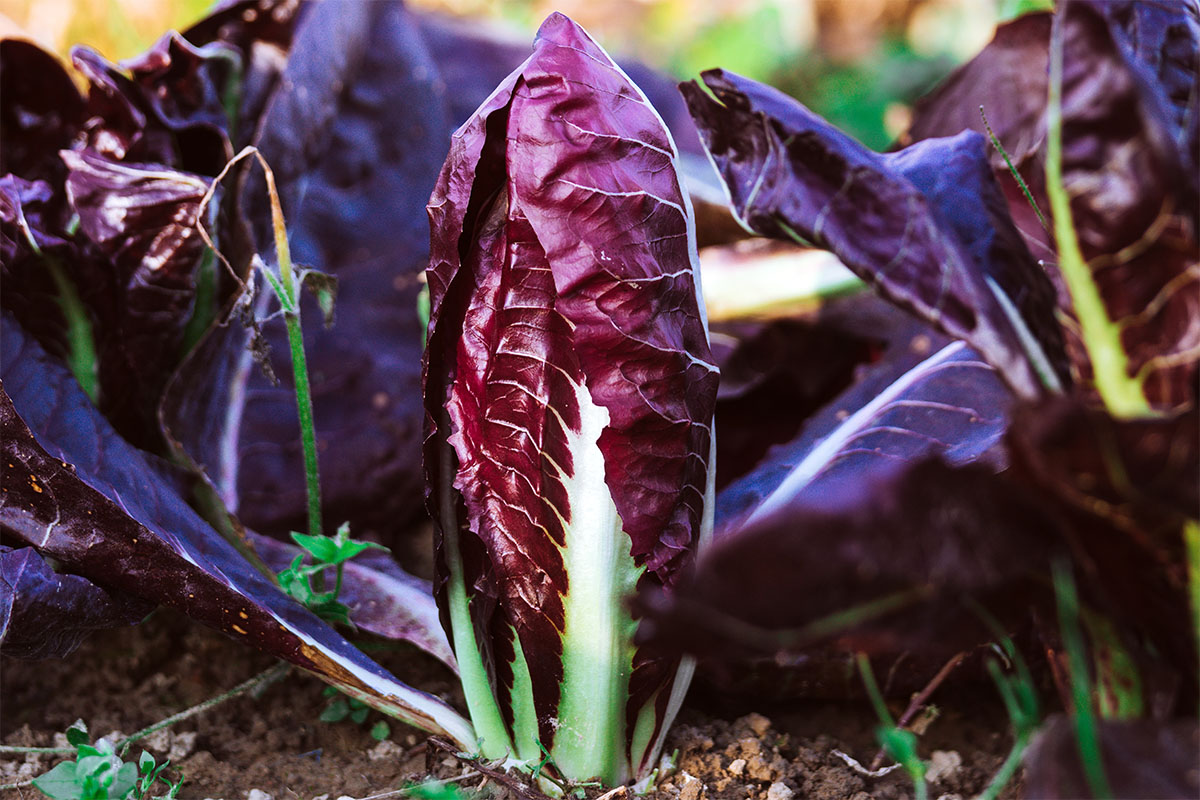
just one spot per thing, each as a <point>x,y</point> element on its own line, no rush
<point>406,790</point>
<point>514,785</point>
<point>262,679</point>
<point>919,700</point>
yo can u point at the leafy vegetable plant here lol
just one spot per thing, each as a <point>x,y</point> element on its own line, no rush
<point>570,391</point>
<point>1008,402</point>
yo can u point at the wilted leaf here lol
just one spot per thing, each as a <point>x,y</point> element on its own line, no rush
<point>360,219</point>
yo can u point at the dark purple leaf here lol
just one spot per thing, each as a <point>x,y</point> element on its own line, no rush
<point>1142,759</point>
<point>929,397</point>
<point>927,225</point>
<point>562,291</point>
<point>880,563</point>
<point>42,264</point>
<point>191,91</point>
<point>143,218</point>
<point>40,113</point>
<point>46,614</point>
<point>1125,489</point>
<point>1129,164</point>
<point>77,492</point>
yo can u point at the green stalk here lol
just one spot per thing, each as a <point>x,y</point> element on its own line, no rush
<point>1087,736</point>
<point>289,301</point>
<point>81,339</point>
<point>1122,394</point>
<point>491,733</point>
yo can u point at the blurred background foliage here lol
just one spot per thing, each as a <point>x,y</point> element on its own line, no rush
<point>859,63</point>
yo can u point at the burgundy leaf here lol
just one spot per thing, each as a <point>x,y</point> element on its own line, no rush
<point>143,218</point>
<point>562,283</point>
<point>926,225</point>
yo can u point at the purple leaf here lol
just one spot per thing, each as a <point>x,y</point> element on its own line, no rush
<point>383,599</point>
<point>75,491</point>
<point>1130,113</point>
<point>361,218</point>
<point>880,563</point>
<point>41,112</point>
<point>1142,759</point>
<point>932,397</point>
<point>926,225</point>
<point>46,614</point>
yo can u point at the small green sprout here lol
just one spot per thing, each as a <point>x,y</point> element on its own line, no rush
<point>305,582</point>
<point>899,743</point>
<point>99,773</point>
<point>341,707</point>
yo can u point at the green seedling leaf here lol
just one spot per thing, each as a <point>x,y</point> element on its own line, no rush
<point>323,549</point>
<point>59,783</point>
<point>434,790</point>
<point>381,730</point>
<point>77,734</point>
<point>336,711</point>
<point>359,715</point>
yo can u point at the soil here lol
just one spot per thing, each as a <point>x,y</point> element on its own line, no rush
<point>274,744</point>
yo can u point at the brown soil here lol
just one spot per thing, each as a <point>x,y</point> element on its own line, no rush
<point>275,744</point>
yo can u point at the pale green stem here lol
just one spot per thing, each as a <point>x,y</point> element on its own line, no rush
<point>1122,394</point>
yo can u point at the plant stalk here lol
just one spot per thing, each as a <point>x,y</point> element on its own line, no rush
<point>1122,393</point>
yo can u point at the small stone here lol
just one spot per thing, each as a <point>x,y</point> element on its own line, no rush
<point>737,766</point>
<point>758,723</point>
<point>953,796</point>
<point>321,796</point>
<point>943,765</point>
<point>692,787</point>
<point>384,750</point>
<point>779,791</point>
<point>759,769</point>
<point>258,794</point>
